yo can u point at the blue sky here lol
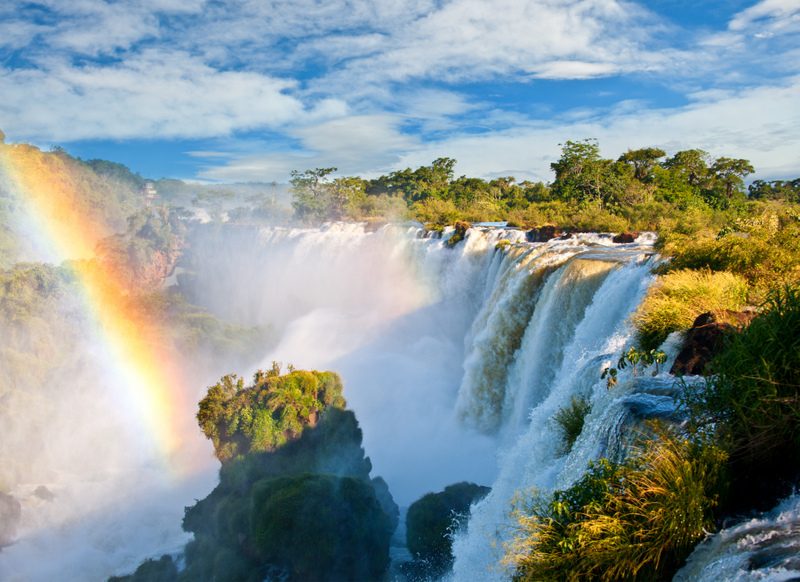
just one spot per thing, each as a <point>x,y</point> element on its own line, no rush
<point>249,90</point>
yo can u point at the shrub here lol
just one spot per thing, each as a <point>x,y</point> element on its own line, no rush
<point>569,421</point>
<point>635,521</point>
<point>677,298</point>
<point>762,248</point>
<point>265,415</point>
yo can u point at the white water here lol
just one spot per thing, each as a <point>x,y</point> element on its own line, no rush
<point>767,548</point>
<point>454,360</point>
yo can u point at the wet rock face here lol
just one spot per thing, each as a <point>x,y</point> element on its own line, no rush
<point>704,340</point>
<point>10,515</point>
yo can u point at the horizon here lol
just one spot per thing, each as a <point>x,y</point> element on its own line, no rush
<point>238,92</point>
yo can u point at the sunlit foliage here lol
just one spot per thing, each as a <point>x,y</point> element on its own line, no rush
<point>677,298</point>
<point>265,415</point>
<point>634,521</point>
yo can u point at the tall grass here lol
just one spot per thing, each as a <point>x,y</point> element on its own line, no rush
<point>676,300</point>
<point>763,248</point>
<point>637,521</point>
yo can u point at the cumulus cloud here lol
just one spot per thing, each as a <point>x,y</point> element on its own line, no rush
<point>156,94</point>
<point>366,84</point>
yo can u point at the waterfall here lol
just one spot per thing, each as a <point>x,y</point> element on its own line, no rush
<point>578,323</point>
<point>454,357</point>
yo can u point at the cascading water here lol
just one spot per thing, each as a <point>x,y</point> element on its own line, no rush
<point>454,359</point>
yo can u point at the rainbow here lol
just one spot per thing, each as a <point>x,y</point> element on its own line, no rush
<point>144,371</point>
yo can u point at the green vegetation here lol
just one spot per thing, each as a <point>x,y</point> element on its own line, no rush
<point>430,524</point>
<point>45,326</point>
<point>677,298</point>
<point>633,521</point>
<point>147,252</point>
<point>102,192</point>
<point>304,508</point>
<point>752,403</point>
<point>569,421</point>
<point>320,527</point>
<point>267,414</point>
<point>762,245</point>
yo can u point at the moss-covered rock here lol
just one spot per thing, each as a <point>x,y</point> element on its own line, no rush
<point>320,527</point>
<point>430,523</point>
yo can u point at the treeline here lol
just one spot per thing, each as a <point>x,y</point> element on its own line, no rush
<point>635,189</point>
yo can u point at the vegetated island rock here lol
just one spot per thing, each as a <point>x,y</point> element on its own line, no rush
<point>295,499</point>
<point>703,341</point>
<point>625,237</point>
<point>10,516</point>
<point>542,233</point>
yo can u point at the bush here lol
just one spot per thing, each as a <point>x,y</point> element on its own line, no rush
<point>764,249</point>
<point>675,301</point>
<point>635,521</point>
<point>265,415</point>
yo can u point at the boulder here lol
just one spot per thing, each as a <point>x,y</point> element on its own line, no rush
<point>703,341</point>
<point>625,237</point>
<point>542,234</point>
<point>44,493</point>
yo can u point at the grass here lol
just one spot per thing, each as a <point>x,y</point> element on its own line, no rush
<point>676,300</point>
<point>570,419</point>
<point>635,521</point>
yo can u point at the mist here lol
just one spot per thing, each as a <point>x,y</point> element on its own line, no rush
<point>386,310</point>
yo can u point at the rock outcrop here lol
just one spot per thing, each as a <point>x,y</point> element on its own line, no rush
<point>704,340</point>
<point>625,237</point>
<point>542,233</point>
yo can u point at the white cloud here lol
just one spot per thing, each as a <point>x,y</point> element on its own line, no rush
<point>154,95</point>
<point>778,15</point>
<point>761,124</point>
<point>364,145</point>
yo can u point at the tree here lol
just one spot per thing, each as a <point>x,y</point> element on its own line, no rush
<point>691,165</point>
<point>643,160</point>
<point>731,173</point>
<point>581,174</point>
<point>424,182</point>
<point>309,193</point>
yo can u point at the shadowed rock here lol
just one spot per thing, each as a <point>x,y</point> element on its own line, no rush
<point>705,339</point>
